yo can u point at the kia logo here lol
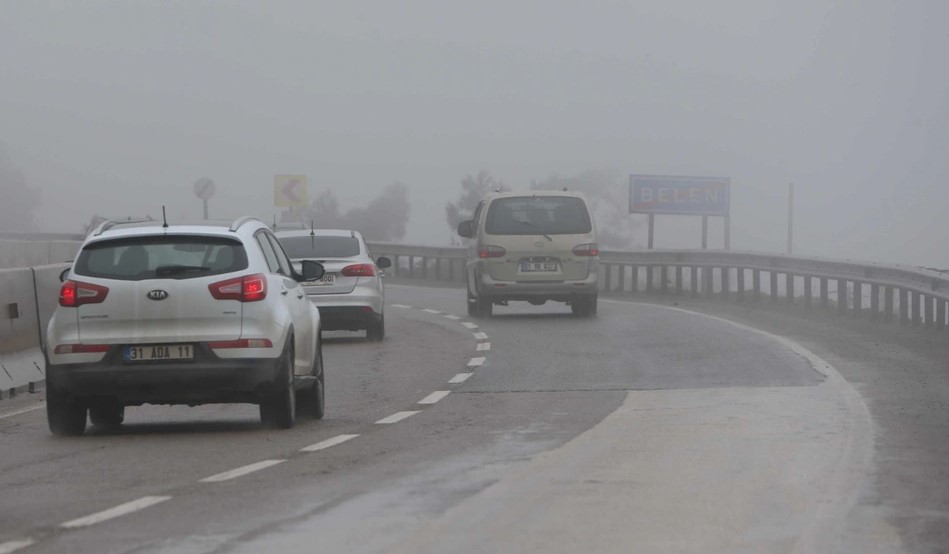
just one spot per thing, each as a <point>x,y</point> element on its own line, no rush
<point>157,295</point>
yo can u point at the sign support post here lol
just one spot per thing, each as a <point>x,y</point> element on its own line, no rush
<point>204,189</point>
<point>652,228</point>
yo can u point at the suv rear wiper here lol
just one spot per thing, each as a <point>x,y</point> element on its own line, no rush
<point>545,235</point>
<point>178,269</point>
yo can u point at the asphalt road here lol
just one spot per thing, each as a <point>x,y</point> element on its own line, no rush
<point>646,429</point>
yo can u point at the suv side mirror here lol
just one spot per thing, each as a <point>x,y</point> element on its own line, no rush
<point>312,271</point>
<point>466,229</point>
<point>63,274</point>
<point>383,262</point>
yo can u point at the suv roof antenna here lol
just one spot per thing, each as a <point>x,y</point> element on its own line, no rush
<point>164,218</point>
<point>312,229</point>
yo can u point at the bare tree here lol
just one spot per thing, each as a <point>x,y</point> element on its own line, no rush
<point>20,201</point>
<point>473,188</point>
<point>385,218</point>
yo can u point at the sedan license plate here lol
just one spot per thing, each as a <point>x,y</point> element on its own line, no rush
<point>328,279</point>
<point>153,352</point>
<point>539,266</point>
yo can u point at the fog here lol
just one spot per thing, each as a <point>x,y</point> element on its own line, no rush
<point>116,108</point>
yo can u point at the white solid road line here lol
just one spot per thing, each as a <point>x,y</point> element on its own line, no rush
<point>241,471</point>
<point>434,397</point>
<point>396,417</point>
<point>39,406</point>
<point>13,546</point>
<point>460,378</point>
<point>475,362</point>
<point>469,324</point>
<point>118,511</point>
<point>431,311</point>
<point>328,443</point>
<point>484,346</point>
<point>400,306</point>
<point>453,317</point>
<point>481,336</point>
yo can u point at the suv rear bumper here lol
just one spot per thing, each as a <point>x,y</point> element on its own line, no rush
<point>207,379</point>
<point>562,291</point>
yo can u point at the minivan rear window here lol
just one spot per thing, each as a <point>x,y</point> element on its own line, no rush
<point>161,257</point>
<point>532,215</point>
<point>320,247</point>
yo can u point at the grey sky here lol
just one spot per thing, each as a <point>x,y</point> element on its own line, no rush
<point>117,107</point>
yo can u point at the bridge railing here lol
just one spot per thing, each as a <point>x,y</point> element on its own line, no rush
<point>911,295</point>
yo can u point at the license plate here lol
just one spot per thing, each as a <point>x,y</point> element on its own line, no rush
<point>328,279</point>
<point>152,352</point>
<point>539,266</point>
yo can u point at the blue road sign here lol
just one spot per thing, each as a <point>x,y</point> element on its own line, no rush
<point>658,194</point>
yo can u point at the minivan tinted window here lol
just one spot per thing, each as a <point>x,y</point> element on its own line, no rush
<point>532,215</point>
<point>161,257</point>
<point>317,247</point>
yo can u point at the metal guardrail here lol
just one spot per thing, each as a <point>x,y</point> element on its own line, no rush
<point>917,295</point>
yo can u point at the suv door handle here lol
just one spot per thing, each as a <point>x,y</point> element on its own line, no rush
<point>300,295</point>
<point>284,291</point>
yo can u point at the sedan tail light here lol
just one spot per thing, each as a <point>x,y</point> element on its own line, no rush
<point>359,270</point>
<point>249,288</point>
<point>489,251</point>
<point>75,293</point>
<point>591,249</point>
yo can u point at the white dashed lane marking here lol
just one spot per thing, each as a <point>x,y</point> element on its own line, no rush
<point>484,346</point>
<point>328,443</point>
<point>475,362</point>
<point>12,546</point>
<point>452,317</point>
<point>469,324</point>
<point>396,417</point>
<point>241,471</point>
<point>481,336</point>
<point>400,306</point>
<point>118,511</point>
<point>431,311</point>
<point>434,397</point>
<point>39,406</point>
<point>460,378</point>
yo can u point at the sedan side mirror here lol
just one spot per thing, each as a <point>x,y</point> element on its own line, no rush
<point>466,229</point>
<point>312,271</point>
<point>383,262</point>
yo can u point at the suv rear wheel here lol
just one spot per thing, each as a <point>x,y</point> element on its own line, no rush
<point>107,414</point>
<point>65,414</point>
<point>278,411</point>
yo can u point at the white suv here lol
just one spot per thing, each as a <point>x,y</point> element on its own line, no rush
<point>182,314</point>
<point>532,246</point>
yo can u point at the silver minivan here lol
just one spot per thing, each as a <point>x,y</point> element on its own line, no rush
<point>532,246</point>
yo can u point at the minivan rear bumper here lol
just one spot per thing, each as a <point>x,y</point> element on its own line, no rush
<point>562,291</point>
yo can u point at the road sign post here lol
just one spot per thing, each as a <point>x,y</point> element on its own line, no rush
<point>204,189</point>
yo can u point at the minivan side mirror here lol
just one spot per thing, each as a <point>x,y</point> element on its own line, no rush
<point>312,271</point>
<point>383,262</point>
<point>466,229</point>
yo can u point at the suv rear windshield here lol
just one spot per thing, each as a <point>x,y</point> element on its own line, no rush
<point>320,247</point>
<point>161,257</point>
<point>534,215</point>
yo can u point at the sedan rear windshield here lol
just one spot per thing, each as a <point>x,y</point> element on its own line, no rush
<point>161,257</point>
<point>320,247</point>
<point>536,215</point>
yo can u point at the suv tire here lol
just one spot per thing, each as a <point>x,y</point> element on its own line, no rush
<point>107,414</point>
<point>312,399</point>
<point>65,414</point>
<point>278,411</point>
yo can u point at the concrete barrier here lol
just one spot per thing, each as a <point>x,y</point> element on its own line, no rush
<point>28,253</point>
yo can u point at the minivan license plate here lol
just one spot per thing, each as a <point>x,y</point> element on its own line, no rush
<point>539,266</point>
<point>152,352</point>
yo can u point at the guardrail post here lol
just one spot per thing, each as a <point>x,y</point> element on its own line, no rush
<point>904,307</point>
<point>874,301</point>
<point>664,275</point>
<point>649,272</point>
<point>756,283</point>
<point>395,263</point>
<point>451,269</point>
<point>940,313</point>
<point>634,279</point>
<point>808,290</point>
<point>708,281</point>
<point>679,280</point>
<point>857,299</point>
<point>928,318</point>
<point>917,304</point>
<point>424,267</point>
<point>608,278</point>
<point>774,286</point>
<point>694,280</point>
<point>824,285</point>
<point>842,300</point>
<point>888,304</point>
<point>621,285</point>
<point>741,283</point>
<point>789,287</point>
<point>726,273</point>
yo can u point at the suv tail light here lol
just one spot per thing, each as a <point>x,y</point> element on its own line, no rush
<point>75,293</point>
<point>591,249</point>
<point>249,288</point>
<point>359,270</point>
<point>489,251</point>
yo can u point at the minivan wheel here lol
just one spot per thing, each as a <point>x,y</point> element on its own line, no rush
<point>107,414</point>
<point>484,307</point>
<point>66,415</point>
<point>584,306</point>
<point>312,399</point>
<point>279,410</point>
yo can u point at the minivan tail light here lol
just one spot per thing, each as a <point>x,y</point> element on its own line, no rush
<point>490,251</point>
<point>359,270</point>
<point>73,294</point>
<point>249,288</point>
<point>591,249</point>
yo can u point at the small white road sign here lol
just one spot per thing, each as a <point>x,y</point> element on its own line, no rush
<point>289,191</point>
